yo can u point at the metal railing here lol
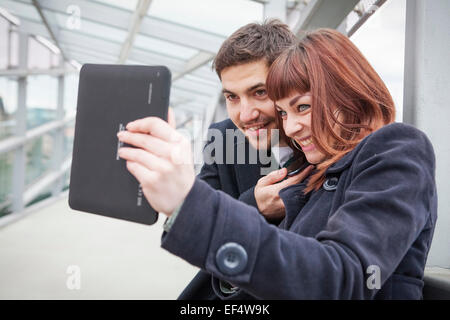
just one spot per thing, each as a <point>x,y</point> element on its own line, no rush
<point>52,177</point>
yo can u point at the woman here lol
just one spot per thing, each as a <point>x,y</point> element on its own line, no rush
<point>359,227</point>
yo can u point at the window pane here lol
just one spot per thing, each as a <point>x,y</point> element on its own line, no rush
<point>4,26</point>
<point>70,93</point>
<point>8,106</point>
<point>163,47</point>
<point>215,16</point>
<point>14,49</point>
<point>382,41</point>
<point>6,168</point>
<point>91,28</point>
<point>38,158</point>
<point>42,94</point>
<point>69,132</point>
<point>39,56</point>
<point>123,4</point>
<point>19,9</point>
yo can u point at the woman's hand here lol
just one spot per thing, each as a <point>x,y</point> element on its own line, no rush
<point>161,162</point>
<point>267,189</point>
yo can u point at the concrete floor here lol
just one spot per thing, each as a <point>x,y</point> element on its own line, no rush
<point>115,259</point>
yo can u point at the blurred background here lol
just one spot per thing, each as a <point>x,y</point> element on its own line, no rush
<point>48,251</point>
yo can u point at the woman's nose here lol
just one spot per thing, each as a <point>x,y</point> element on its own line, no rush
<point>292,126</point>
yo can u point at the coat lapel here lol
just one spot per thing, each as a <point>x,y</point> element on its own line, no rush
<point>248,173</point>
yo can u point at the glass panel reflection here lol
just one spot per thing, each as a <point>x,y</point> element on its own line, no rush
<point>6,168</point>
<point>38,158</point>
<point>41,100</point>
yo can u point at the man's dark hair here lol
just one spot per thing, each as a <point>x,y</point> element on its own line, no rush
<point>253,42</point>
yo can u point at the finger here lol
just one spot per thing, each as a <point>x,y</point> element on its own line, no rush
<point>298,177</point>
<point>144,158</point>
<point>171,118</point>
<point>156,127</point>
<point>147,142</point>
<point>142,174</point>
<point>273,177</point>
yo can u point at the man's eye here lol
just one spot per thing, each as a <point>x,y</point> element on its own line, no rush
<point>231,97</point>
<point>303,107</point>
<point>260,92</point>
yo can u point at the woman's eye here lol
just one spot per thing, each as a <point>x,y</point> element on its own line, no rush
<point>282,113</point>
<point>303,107</point>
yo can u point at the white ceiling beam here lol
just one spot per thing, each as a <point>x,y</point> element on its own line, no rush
<point>150,26</point>
<point>29,72</point>
<point>195,87</point>
<point>52,29</point>
<point>188,91</point>
<point>365,15</point>
<point>322,14</point>
<point>135,25</point>
<point>196,109</point>
<point>147,57</point>
<point>92,44</point>
<point>33,27</point>
<point>206,73</point>
<point>194,63</point>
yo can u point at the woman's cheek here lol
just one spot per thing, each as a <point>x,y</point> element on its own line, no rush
<point>284,125</point>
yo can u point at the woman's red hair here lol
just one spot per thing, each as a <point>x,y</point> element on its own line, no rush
<point>349,99</point>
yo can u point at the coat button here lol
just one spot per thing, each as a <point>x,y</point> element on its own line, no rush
<point>331,184</point>
<point>231,258</point>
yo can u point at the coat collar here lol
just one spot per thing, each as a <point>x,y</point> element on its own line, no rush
<point>342,164</point>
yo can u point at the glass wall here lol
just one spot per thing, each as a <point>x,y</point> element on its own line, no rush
<point>38,158</point>
<point>41,89</point>
<point>8,106</point>
<point>4,34</point>
<point>42,99</point>
<point>382,41</point>
<point>6,167</point>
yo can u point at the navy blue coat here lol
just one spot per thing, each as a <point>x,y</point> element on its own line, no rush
<point>236,180</point>
<point>380,212</point>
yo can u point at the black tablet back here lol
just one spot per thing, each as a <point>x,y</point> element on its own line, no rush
<point>110,96</point>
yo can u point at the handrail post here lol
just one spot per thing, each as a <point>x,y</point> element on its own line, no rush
<point>19,167</point>
<point>58,135</point>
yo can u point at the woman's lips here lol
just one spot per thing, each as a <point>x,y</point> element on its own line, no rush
<point>306,143</point>
<point>309,147</point>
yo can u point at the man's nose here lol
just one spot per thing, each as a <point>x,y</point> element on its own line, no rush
<point>248,111</point>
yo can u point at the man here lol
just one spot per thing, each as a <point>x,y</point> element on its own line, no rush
<point>242,64</point>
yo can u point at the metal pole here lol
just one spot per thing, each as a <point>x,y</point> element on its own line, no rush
<point>19,167</point>
<point>426,96</point>
<point>58,135</point>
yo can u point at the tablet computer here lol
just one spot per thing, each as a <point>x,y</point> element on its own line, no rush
<point>110,96</point>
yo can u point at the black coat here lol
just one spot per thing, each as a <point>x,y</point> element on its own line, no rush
<point>372,220</point>
<point>238,181</point>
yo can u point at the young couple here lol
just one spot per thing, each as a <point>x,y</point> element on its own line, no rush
<point>355,224</point>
